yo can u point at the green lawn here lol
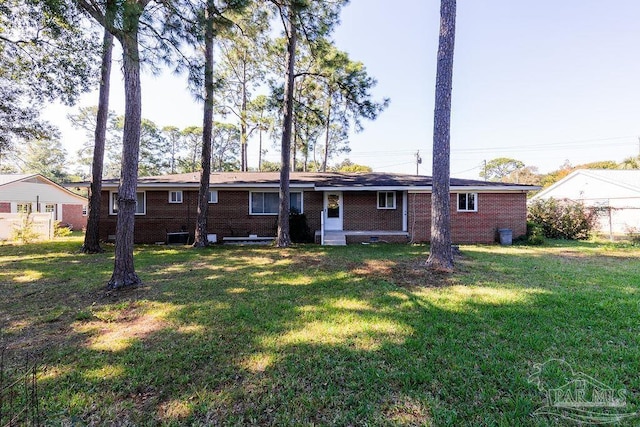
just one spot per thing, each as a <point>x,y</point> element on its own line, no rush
<point>357,335</point>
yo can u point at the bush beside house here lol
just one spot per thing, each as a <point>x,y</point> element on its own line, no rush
<point>563,219</point>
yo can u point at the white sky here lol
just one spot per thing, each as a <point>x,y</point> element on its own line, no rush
<point>541,81</point>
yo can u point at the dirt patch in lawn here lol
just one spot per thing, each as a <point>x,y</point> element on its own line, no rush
<point>406,273</point>
<point>414,273</point>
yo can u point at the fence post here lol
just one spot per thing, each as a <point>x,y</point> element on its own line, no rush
<point>18,393</point>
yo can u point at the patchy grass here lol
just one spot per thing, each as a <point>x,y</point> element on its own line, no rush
<point>319,335</point>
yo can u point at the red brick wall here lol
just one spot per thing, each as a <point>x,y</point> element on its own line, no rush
<point>5,207</point>
<point>361,212</point>
<point>495,210</point>
<point>72,215</point>
<point>419,217</point>
<point>227,218</point>
<point>313,207</point>
<point>230,216</point>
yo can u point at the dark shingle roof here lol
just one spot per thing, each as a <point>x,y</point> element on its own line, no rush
<point>309,179</point>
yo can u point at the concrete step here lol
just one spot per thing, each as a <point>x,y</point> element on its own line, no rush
<point>335,242</point>
<point>335,239</point>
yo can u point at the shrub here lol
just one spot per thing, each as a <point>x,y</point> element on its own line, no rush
<point>535,233</point>
<point>299,228</point>
<point>61,230</point>
<point>563,219</point>
<point>633,234</point>
<point>25,231</point>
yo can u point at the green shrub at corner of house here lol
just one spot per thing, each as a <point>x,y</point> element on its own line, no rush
<point>563,219</point>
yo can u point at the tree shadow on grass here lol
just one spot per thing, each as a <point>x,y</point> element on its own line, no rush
<point>265,336</point>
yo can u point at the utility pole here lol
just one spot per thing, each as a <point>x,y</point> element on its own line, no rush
<point>418,162</point>
<point>485,169</point>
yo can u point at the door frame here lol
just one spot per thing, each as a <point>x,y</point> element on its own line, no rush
<point>333,224</point>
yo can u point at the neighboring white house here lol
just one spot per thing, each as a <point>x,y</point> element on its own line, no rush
<point>616,191</point>
<point>35,193</point>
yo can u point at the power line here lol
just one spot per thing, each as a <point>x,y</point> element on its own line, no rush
<point>630,141</point>
<point>380,153</point>
<point>551,146</point>
<point>468,170</point>
<point>397,164</point>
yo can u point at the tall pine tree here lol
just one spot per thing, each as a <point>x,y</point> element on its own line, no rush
<point>126,28</point>
<point>312,20</point>
<point>441,255</point>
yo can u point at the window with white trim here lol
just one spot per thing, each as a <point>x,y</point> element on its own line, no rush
<point>23,208</point>
<point>386,199</point>
<point>175,196</point>
<point>85,210</point>
<point>51,208</point>
<point>467,202</point>
<point>141,203</point>
<point>213,196</point>
<point>267,203</point>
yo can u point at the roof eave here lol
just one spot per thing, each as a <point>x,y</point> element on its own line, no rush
<point>372,188</point>
<point>170,185</point>
<point>496,188</point>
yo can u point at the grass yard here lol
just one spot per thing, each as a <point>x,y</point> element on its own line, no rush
<point>357,335</point>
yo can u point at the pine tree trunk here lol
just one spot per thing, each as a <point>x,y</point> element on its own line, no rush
<point>243,122</point>
<point>306,159</point>
<point>326,137</point>
<point>441,256</point>
<point>260,149</point>
<point>194,159</point>
<point>294,149</point>
<point>207,132</point>
<point>284,239</point>
<point>92,236</point>
<point>124,274</point>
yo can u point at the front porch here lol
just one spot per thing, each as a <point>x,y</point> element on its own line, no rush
<point>358,216</point>
<point>343,237</point>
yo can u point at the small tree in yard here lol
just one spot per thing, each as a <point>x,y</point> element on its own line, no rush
<point>563,219</point>
<point>25,231</point>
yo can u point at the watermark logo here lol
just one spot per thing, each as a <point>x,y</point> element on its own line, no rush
<point>576,396</point>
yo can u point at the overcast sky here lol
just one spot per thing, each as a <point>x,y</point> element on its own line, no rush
<point>541,81</point>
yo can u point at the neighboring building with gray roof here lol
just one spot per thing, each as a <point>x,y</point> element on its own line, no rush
<point>22,193</point>
<point>615,192</point>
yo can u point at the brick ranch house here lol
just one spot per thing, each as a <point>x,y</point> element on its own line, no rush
<point>363,206</point>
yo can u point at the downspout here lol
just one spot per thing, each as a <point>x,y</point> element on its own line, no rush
<point>405,211</point>
<point>188,212</point>
<point>322,227</point>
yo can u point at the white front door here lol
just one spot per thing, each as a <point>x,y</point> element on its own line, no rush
<point>333,210</point>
